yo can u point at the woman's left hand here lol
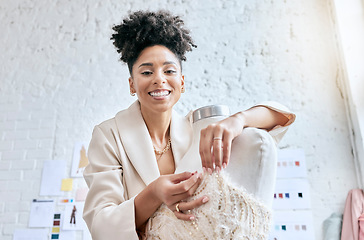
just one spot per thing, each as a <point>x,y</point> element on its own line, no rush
<point>216,139</point>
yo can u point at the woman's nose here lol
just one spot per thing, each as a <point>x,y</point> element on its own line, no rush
<point>159,78</point>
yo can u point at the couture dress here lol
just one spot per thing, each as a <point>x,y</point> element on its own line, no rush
<point>231,213</point>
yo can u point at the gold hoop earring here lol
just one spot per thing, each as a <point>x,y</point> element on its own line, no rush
<point>182,90</point>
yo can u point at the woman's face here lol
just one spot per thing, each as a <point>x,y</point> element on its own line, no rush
<point>157,79</point>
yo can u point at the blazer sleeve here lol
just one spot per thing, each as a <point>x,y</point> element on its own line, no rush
<point>107,212</point>
<point>279,131</point>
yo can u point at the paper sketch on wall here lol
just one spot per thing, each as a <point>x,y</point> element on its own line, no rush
<point>41,213</point>
<point>80,160</point>
<point>73,217</point>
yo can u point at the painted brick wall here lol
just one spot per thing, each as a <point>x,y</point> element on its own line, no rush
<point>60,75</point>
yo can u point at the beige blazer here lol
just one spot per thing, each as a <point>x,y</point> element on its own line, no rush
<point>122,163</point>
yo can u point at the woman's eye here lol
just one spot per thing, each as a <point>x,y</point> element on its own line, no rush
<point>146,73</point>
<point>171,71</point>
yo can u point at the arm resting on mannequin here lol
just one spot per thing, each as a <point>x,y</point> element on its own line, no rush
<point>261,117</point>
<point>219,136</point>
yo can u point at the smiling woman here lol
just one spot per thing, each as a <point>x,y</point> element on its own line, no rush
<point>133,157</point>
<point>157,79</point>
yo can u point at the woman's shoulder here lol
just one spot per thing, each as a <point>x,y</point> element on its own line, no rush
<point>107,124</point>
<point>122,115</point>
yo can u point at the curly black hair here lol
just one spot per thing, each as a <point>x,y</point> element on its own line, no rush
<point>143,29</point>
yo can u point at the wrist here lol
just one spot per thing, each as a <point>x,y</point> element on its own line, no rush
<point>146,203</point>
<point>241,118</point>
<point>153,193</point>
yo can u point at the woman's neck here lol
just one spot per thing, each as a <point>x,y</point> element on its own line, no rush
<point>158,126</point>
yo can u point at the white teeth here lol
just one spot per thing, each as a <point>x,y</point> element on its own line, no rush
<point>159,94</point>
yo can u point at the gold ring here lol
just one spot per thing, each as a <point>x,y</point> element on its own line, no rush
<point>177,208</point>
<point>217,138</point>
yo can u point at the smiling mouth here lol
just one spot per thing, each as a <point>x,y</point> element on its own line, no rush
<point>159,93</point>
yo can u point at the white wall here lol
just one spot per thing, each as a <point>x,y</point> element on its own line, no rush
<point>60,75</point>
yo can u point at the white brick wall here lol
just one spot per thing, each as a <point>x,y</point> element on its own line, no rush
<point>60,75</point>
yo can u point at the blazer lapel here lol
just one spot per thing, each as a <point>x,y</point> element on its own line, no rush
<point>137,142</point>
<point>181,136</point>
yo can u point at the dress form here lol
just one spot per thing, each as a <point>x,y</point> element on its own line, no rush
<point>240,196</point>
<point>253,160</point>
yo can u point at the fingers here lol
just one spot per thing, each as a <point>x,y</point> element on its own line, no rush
<point>184,216</point>
<point>206,145</point>
<point>187,187</point>
<point>188,193</point>
<point>177,178</point>
<point>185,208</point>
<point>173,188</point>
<point>217,151</point>
<point>215,147</point>
<point>206,140</point>
<point>228,138</point>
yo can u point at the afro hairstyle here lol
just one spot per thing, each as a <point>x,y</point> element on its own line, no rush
<point>143,29</point>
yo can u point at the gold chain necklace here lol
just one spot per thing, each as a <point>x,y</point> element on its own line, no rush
<point>166,148</point>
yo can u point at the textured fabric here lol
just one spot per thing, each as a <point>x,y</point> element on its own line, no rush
<point>332,227</point>
<point>231,213</point>
<point>361,227</point>
<point>121,164</point>
<point>354,208</point>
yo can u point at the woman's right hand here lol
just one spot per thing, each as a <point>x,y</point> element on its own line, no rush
<point>174,189</point>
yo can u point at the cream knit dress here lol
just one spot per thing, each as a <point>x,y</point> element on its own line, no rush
<point>231,213</point>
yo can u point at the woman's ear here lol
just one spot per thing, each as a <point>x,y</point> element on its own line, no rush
<point>183,84</point>
<point>131,86</point>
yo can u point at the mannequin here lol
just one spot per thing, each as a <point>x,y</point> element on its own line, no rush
<point>252,164</point>
<point>240,196</point>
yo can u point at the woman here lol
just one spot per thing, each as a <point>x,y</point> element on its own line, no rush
<point>133,156</point>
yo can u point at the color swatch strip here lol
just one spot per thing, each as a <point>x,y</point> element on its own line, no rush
<point>56,226</point>
<point>286,227</point>
<point>288,195</point>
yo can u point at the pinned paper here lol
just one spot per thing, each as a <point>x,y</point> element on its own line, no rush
<point>30,234</point>
<point>296,225</point>
<point>292,194</point>
<point>291,163</point>
<point>67,184</point>
<point>53,173</point>
<point>72,219</point>
<point>80,159</point>
<point>81,194</point>
<point>41,213</point>
<point>68,235</point>
<point>57,233</point>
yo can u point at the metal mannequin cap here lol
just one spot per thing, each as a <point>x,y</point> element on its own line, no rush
<point>210,111</point>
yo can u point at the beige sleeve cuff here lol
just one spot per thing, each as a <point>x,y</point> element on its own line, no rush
<point>279,131</point>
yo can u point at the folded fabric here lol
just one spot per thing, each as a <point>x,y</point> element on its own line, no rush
<point>332,227</point>
<point>354,207</point>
